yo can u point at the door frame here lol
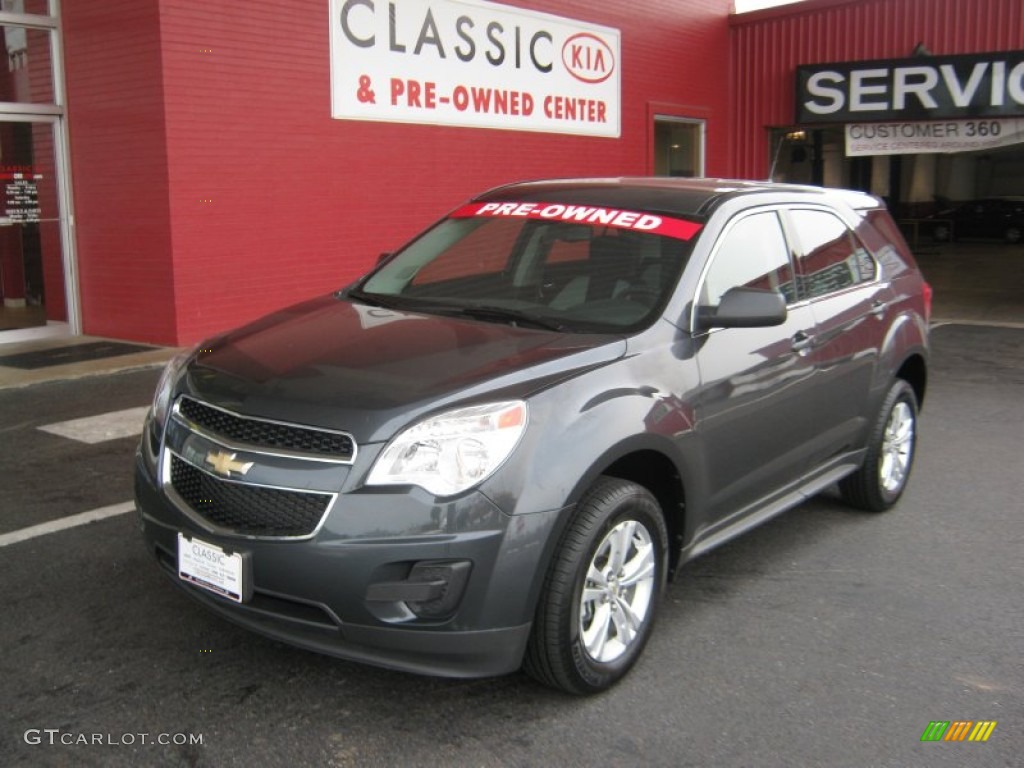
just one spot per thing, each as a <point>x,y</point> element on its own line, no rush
<point>64,216</point>
<point>697,117</point>
<point>54,115</point>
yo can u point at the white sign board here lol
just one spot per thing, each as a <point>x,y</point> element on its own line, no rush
<point>928,136</point>
<point>474,64</point>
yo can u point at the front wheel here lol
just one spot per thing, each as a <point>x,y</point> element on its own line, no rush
<point>602,590</point>
<point>881,480</point>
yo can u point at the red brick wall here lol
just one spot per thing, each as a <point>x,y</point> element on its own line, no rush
<point>119,169</point>
<point>263,199</point>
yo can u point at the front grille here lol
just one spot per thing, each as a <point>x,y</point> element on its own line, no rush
<point>248,510</point>
<point>267,434</point>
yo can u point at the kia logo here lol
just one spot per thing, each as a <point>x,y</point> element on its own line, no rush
<point>588,58</point>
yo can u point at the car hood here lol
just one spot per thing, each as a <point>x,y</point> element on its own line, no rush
<point>371,371</point>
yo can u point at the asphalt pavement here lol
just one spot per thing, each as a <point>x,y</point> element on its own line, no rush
<point>827,637</point>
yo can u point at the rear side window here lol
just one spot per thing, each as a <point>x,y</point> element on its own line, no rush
<point>880,233</point>
<point>830,258</point>
<point>751,254</point>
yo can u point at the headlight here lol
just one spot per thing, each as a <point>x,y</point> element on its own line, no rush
<point>165,387</point>
<point>450,453</point>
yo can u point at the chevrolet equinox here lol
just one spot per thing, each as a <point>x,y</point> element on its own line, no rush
<point>494,450</point>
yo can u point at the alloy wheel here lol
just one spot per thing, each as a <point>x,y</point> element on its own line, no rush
<point>897,447</point>
<point>617,592</point>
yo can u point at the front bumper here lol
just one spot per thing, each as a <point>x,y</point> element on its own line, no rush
<point>339,592</point>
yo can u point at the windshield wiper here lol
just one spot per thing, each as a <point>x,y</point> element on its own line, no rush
<point>514,317</point>
<point>385,301</point>
<point>487,313</point>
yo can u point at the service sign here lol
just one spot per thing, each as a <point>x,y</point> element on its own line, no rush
<point>973,86</point>
<point>473,64</point>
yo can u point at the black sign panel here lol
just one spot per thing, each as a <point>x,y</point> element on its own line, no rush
<point>920,88</point>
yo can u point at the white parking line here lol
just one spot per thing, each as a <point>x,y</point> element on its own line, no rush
<point>66,522</point>
<point>99,429</point>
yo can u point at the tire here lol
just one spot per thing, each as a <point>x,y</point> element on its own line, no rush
<point>883,476</point>
<point>1012,235</point>
<point>582,641</point>
<point>940,233</point>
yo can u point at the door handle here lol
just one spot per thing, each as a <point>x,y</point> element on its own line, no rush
<point>801,341</point>
<point>878,308</point>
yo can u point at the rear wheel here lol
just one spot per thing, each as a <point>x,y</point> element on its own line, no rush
<point>881,480</point>
<point>602,590</point>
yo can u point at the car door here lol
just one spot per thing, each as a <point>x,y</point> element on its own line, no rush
<point>849,302</point>
<point>750,412</point>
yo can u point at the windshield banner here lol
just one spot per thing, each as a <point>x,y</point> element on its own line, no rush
<point>680,229</point>
<point>474,64</point>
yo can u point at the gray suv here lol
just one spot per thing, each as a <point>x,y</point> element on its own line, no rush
<point>494,450</point>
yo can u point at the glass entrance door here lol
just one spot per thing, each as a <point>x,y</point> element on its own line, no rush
<point>37,263</point>
<point>31,252</point>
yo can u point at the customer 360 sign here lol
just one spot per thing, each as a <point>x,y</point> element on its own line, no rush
<point>475,64</point>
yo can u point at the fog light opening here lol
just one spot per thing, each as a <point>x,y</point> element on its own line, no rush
<point>432,590</point>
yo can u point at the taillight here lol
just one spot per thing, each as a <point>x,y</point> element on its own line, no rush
<point>927,293</point>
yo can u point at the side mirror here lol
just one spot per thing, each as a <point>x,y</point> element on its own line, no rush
<point>744,308</point>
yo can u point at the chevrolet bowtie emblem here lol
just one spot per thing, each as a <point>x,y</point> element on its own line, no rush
<point>224,463</point>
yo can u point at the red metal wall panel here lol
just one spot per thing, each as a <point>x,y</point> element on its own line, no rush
<point>767,46</point>
<point>253,197</point>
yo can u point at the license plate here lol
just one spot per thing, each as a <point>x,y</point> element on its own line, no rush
<point>210,567</point>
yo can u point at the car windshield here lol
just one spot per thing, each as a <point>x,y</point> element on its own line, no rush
<point>561,267</point>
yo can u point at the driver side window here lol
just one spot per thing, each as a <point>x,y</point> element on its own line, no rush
<point>751,254</point>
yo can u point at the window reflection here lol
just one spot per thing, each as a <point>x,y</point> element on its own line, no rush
<point>35,7</point>
<point>26,75</point>
<point>831,257</point>
<point>752,254</point>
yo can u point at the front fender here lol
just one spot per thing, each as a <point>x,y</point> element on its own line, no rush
<point>544,481</point>
<point>582,438</point>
